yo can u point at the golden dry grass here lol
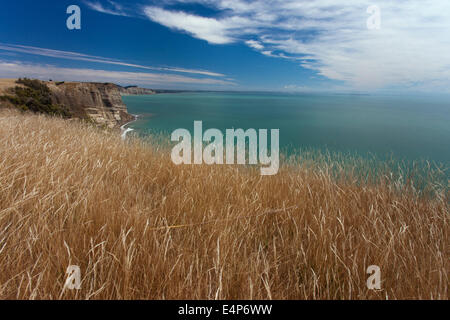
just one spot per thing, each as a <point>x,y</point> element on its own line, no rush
<point>140,227</point>
<point>6,84</point>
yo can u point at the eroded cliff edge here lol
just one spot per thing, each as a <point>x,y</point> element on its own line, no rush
<point>98,102</point>
<point>135,90</point>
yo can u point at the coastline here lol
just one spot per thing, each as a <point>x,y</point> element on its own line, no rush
<point>124,130</point>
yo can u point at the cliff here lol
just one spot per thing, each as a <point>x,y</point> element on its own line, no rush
<point>100,102</point>
<point>134,90</point>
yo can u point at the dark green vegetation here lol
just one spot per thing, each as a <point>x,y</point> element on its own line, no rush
<point>35,96</point>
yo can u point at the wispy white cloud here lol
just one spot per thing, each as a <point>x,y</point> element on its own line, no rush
<point>209,29</point>
<point>331,37</point>
<point>18,69</point>
<point>89,58</point>
<point>110,7</point>
<point>254,44</point>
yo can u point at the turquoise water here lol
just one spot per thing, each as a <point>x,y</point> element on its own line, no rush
<point>407,128</point>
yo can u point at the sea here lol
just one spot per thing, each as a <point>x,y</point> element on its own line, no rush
<point>404,127</point>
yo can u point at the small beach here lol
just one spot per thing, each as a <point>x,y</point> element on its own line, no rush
<point>125,130</point>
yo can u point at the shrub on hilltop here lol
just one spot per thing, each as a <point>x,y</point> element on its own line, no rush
<point>35,96</point>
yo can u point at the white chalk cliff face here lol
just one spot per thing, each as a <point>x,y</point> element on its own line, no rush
<point>133,90</point>
<point>100,102</point>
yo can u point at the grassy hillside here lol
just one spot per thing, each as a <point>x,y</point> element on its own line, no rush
<point>140,227</point>
<point>34,95</point>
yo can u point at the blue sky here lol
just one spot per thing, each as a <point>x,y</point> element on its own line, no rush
<point>280,45</point>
